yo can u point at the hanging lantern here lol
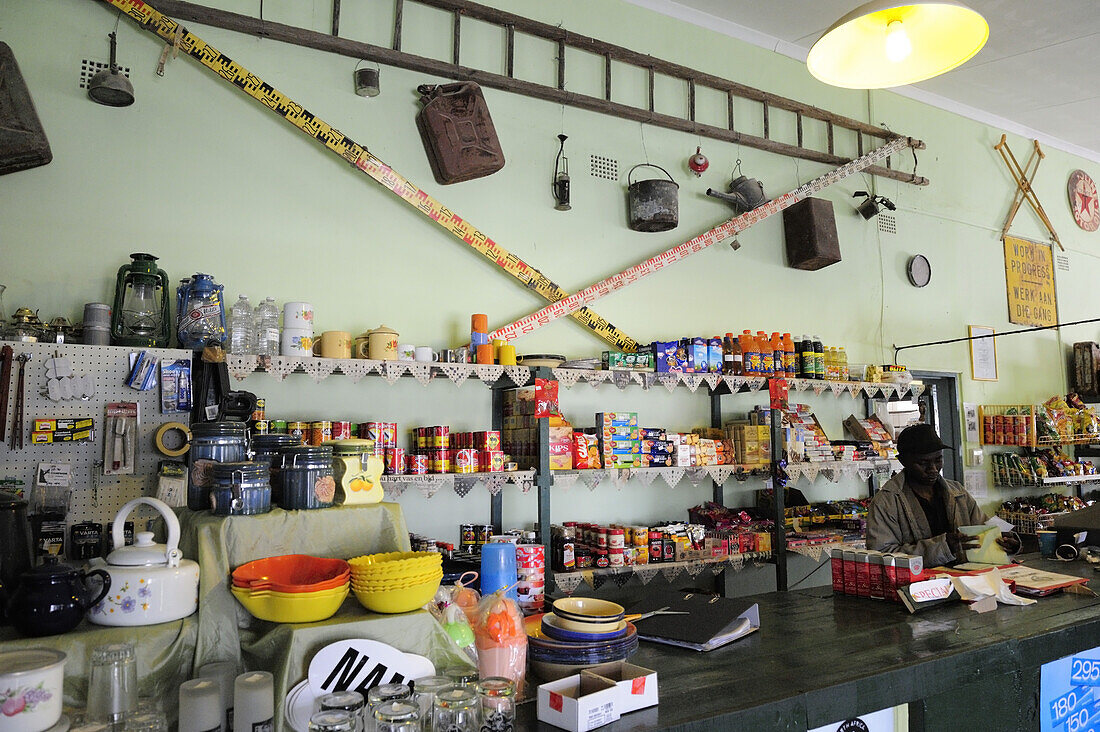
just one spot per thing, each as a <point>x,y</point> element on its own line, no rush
<point>698,162</point>
<point>140,312</point>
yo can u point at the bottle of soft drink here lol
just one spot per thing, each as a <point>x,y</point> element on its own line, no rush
<point>763,345</point>
<point>790,359</point>
<point>267,328</point>
<point>777,355</point>
<point>842,357</point>
<point>738,363</point>
<point>806,362</point>
<point>819,358</point>
<point>241,326</point>
<point>751,353</point>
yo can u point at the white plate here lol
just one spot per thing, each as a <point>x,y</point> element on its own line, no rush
<point>298,707</point>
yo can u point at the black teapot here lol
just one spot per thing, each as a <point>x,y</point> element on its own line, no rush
<point>53,598</point>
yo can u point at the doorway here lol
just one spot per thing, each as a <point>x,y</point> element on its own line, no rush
<point>938,405</point>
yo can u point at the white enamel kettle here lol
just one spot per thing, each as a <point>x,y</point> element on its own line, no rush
<point>150,583</point>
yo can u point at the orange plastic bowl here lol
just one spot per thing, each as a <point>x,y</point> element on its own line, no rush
<point>292,573</point>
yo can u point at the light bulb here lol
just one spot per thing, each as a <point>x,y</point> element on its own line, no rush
<point>898,45</point>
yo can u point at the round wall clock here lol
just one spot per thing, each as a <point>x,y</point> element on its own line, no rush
<point>919,270</point>
<point>1083,200</point>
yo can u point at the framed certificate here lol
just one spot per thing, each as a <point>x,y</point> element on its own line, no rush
<point>983,353</point>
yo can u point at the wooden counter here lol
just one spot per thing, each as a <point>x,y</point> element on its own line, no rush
<point>820,659</point>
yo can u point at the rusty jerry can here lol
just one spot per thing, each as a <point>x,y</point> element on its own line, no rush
<point>458,132</point>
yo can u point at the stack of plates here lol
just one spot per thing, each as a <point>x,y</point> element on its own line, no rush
<point>578,634</point>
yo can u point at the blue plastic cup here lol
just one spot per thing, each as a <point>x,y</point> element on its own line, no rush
<point>498,569</point>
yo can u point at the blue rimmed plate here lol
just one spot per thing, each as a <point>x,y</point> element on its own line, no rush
<point>552,628</point>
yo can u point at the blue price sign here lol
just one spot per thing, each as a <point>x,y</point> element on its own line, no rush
<point>1084,671</point>
<point>1075,699</point>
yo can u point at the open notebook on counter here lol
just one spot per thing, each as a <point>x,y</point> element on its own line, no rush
<point>710,622</point>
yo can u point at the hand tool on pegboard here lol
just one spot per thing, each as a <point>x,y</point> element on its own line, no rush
<point>1023,185</point>
<point>352,152</point>
<point>606,286</point>
<point>5,386</point>
<point>16,442</point>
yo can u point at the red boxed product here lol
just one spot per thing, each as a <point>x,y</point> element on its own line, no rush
<point>863,574</point>
<point>837,561</point>
<point>490,461</point>
<point>850,572</point>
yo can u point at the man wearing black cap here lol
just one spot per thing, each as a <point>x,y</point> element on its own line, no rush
<point>919,512</point>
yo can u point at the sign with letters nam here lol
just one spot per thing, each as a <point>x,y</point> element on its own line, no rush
<point>1029,281</point>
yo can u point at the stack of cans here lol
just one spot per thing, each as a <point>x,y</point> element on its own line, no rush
<point>531,573</point>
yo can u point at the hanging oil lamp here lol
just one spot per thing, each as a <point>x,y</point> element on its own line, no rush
<point>140,312</point>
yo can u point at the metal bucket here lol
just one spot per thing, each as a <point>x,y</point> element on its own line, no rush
<point>654,204</point>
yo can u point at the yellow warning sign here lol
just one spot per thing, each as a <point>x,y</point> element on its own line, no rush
<point>1029,280</point>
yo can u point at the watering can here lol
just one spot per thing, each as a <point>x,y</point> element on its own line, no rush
<point>745,193</point>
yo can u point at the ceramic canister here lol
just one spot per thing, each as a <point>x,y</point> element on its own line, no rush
<point>382,344</point>
<point>33,677</point>
<point>307,478</point>
<point>298,315</point>
<point>265,450</point>
<point>212,442</point>
<point>241,489</point>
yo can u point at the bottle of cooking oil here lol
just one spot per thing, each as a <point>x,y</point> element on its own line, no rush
<point>842,358</point>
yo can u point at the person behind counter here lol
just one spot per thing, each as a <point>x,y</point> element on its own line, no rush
<point>918,511</point>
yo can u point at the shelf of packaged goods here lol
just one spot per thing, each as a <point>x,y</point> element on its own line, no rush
<point>1072,479</point>
<point>1091,439</point>
<point>430,483</point>
<point>731,561</point>
<point>728,383</point>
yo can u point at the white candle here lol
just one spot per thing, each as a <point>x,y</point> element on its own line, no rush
<point>222,672</point>
<point>254,702</point>
<point>200,706</point>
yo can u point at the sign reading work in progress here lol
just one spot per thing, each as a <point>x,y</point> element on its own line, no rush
<point>1029,280</point>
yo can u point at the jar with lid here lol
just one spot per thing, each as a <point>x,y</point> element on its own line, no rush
<point>602,560</point>
<point>240,489</point>
<point>212,442</point>
<point>265,450</point>
<point>497,699</point>
<point>585,560</point>
<point>456,710</point>
<point>616,539</point>
<point>308,482</point>
<point>615,558</point>
<point>602,538</point>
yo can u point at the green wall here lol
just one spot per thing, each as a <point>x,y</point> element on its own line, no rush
<point>208,180</point>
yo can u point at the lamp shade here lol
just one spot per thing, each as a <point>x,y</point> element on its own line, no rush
<point>884,43</point>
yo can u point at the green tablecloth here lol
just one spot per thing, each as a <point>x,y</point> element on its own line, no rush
<point>221,543</point>
<point>164,655</point>
<point>286,650</point>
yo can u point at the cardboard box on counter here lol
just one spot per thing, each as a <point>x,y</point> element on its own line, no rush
<point>579,703</point>
<point>637,686</point>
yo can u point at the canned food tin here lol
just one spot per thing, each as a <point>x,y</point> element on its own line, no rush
<point>395,460</point>
<point>466,461</point>
<point>320,432</point>
<point>278,426</point>
<point>341,429</point>
<point>258,412</point>
<point>467,534</point>
<point>487,440</point>
<point>299,430</point>
<point>261,427</point>
<point>439,437</point>
<point>484,531</point>
<point>490,461</point>
<point>530,556</point>
<point>416,464</point>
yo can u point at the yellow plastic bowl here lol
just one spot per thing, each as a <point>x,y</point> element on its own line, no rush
<point>390,563</point>
<point>291,607</point>
<point>397,585</point>
<point>398,601</point>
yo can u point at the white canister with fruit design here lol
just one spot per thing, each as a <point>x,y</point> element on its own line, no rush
<point>31,689</point>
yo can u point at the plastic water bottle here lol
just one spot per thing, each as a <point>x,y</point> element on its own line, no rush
<point>267,328</point>
<point>241,327</point>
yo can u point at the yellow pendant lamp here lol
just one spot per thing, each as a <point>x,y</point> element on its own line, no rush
<point>884,43</point>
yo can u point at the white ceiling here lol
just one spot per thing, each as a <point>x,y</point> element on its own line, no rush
<point>1036,76</point>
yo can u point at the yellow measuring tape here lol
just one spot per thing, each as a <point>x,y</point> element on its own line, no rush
<point>364,160</point>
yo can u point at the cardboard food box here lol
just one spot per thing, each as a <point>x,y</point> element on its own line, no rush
<point>637,686</point>
<point>579,703</point>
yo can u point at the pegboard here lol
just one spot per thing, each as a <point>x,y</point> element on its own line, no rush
<point>93,496</point>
